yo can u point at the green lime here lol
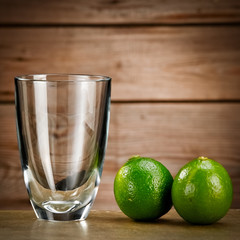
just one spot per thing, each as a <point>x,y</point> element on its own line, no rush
<point>142,189</point>
<point>202,191</point>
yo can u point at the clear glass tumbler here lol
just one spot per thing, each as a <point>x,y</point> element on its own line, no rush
<point>62,128</point>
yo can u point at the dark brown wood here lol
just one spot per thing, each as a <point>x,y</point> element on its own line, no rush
<point>106,224</point>
<point>118,11</point>
<point>154,63</point>
<point>173,133</point>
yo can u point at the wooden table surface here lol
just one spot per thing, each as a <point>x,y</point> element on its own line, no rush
<point>115,225</point>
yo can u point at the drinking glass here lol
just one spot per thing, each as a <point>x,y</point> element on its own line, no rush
<point>62,129</point>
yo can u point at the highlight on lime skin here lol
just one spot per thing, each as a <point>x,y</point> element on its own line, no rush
<point>142,189</point>
<point>202,191</point>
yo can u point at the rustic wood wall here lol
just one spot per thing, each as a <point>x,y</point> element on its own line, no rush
<point>176,78</point>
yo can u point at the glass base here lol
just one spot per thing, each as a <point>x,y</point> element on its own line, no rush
<point>78,215</point>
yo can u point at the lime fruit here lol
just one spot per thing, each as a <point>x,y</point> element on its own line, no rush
<point>202,191</point>
<point>142,189</point>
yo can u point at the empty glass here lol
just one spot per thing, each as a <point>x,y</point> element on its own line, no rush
<point>62,128</point>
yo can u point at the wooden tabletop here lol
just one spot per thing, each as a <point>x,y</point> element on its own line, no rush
<point>115,225</point>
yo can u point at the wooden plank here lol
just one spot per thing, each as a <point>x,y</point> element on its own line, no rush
<point>154,63</point>
<point>173,133</point>
<point>105,224</point>
<point>119,12</point>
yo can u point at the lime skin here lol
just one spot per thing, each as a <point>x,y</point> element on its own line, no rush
<point>142,189</point>
<point>202,191</point>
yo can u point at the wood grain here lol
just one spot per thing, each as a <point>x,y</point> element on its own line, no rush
<point>173,133</point>
<point>153,63</point>
<point>118,11</point>
<point>105,224</point>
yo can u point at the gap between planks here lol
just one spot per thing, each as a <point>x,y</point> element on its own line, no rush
<point>211,101</point>
<point>117,25</point>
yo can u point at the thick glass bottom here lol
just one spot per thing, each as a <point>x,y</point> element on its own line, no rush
<point>79,215</point>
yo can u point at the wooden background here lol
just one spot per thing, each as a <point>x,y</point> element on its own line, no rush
<point>176,79</point>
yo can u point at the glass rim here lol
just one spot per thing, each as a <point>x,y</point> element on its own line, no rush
<point>42,77</point>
